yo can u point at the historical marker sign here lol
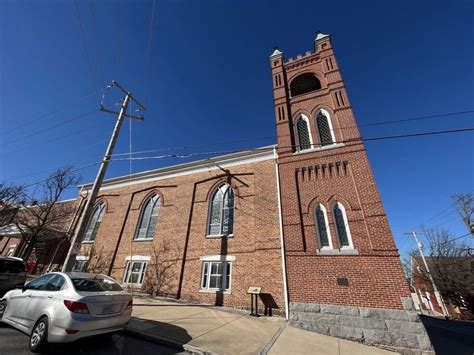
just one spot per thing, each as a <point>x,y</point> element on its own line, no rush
<point>254,290</point>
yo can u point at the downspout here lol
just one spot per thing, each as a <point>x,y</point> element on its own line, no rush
<point>282,243</point>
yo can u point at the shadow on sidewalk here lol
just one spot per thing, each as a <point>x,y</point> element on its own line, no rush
<point>166,333</point>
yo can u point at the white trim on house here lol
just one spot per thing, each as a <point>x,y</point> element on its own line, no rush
<point>297,133</point>
<point>328,116</point>
<point>328,230</point>
<point>82,257</point>
<point>137,258</point>
<point>205,165</point>
<point>217,258</point>
<point>346,224</point>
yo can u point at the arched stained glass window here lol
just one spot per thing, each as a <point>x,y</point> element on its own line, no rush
<point>324,129</point>
<point>149,215</point>
<point>94,223</point>
<point>221,216</point>
<point>322,227</point>
<point>304,139</point>
<point>342,226</point>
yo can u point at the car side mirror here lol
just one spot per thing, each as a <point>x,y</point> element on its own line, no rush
<point>20,286</point>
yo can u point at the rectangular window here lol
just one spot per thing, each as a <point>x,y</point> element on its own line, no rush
<point>79,266</point>
<point>216,275</point>
<point>134,272</point>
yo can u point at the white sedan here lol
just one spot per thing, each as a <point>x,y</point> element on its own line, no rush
<point>64,307</point>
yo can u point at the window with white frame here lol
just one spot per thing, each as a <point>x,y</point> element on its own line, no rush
<point>303,134</point>
<point>216,275</point>
<point>342,226</point>
<point>94,223</point>
<point>135,272</point>
<point>325,130</point>
<point>80,265</point>
<point>221,215</point>
<point>148,217</point>
<point>322,227</point>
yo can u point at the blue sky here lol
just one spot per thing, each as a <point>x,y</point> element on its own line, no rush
<point>208,81</point>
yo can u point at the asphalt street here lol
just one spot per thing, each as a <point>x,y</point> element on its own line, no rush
<point>450,337</point>
<point>14,342</point>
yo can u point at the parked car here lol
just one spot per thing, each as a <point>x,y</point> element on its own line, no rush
<point>12,273</point>
<point>63,307</point>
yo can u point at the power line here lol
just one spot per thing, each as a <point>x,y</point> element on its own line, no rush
<point>353,140</point>
<point>91,7</point>
<point>416,118</point>
<point>72,171</point>
<point>63,108</point>
<point>188,155</point>
<point>49,128</point>
<point>91,71</point>
<point>148,54</point>
<point>50,141</point>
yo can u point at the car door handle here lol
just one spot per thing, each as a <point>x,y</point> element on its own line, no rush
<point>50,296</point>
<point>28,296</point>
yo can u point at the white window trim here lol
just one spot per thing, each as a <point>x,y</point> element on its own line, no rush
<point>82,257</point>
<point>298,146</point>
<point>212,260</point>
<point>101,208</point>
<point>137,258</point>
<point>209,212</point>
<point>217,258</point>
<point>328,116</point>
<point>140,219</point>
<point>328,231</point>
<point>346,223</point>
<point>128,268</point>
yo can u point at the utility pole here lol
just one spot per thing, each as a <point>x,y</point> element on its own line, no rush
<point>84,219</point>
<point>430,277</point>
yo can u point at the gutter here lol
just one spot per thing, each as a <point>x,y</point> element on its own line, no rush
<point>282,243</point>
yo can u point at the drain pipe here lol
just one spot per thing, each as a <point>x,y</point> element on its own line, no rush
<point>282,243</point>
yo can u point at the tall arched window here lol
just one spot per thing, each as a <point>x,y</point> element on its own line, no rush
<point>94,223</point>
<point>322,227</point>
<point>149,214</point>
<point>303,134</point>
<point>342,226</point>
<point>221,216</point>
<point>325,131</point>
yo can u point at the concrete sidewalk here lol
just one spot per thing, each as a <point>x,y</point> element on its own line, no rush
<point>208,329</point>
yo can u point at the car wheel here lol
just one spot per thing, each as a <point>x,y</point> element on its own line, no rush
<point>3,306</point>
<point>38,338</point>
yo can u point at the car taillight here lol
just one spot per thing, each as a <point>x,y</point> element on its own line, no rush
<point>76,307</point>
<point>130,304</point>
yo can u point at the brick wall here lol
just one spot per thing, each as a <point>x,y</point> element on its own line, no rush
<point>180,236</point>
<point>326,175</point>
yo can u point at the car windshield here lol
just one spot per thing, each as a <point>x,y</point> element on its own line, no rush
<point>97,284</point>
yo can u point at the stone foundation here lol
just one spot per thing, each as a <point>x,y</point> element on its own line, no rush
<point>399,330</point>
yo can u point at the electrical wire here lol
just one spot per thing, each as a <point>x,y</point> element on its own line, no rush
<point>354,140</point>
<point>91,71</point>
<point>63,108</point>
<point>94,31</point>
<point>148,54</point>
<point>49,128</point>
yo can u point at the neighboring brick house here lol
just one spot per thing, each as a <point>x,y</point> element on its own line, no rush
<point>302,219</point>
<point>51,247</point>
<point>432,303</point>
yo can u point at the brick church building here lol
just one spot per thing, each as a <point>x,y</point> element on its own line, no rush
<point>302,219</point>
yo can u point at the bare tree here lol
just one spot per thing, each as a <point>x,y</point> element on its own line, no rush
<point>159,272</point>
<point>45,217</point>
<point>464,204</point>
<point>10,198</point>
<point>451,266</point>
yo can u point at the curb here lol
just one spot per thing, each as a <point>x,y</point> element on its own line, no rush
<point>168,342</point>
